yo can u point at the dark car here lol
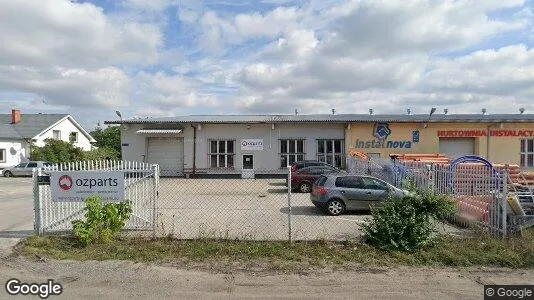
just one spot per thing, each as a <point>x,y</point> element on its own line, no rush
<point>307,163</point>
<point>302,179</point>
<point>336,193</point>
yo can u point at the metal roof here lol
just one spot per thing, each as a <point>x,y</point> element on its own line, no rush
<point>7,132</point>
<point>30,124</point>
<point>340,118</point>
<point>159,131</point>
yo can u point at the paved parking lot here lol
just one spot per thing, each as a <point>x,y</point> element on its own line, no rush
<point>16,210</point>
<point>245,209</point>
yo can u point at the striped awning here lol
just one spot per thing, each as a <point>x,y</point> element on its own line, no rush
<point>159,131</point>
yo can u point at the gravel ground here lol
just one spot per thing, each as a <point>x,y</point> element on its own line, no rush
<point>126,280</point>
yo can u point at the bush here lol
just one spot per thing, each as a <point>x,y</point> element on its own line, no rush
<point>101,154</point>
<point>407,224</point>
<point>102,221</point>
<point>57,151</point>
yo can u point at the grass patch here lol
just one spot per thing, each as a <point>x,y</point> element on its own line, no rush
<point>517,252</point>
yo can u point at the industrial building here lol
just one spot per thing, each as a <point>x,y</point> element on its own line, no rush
<point>256,145</point>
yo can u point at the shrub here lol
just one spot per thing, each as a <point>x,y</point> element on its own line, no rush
<point>406,224</point>
<point>102,221</point>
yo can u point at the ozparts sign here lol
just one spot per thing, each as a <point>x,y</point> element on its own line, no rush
<point>252,144</point>
<point>382,131</point>
<point>482,133</point>
<point>75,186</point>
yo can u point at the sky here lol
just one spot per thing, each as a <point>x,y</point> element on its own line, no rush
<point>159,58</point>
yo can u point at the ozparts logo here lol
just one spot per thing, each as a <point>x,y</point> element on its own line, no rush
<point>381,131</point>
<point>65,182</point>
<point>244,143</point>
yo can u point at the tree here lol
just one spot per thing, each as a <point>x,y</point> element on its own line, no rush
<point>57,151</point>
<point>108,141</point>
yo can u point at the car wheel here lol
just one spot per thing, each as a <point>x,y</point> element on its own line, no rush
<point>335,207</point>
<point>305,187</point>
<point>8,174</point>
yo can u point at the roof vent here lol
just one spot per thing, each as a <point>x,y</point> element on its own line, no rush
<point>370,111</point>
<point>483,111</point>
<point>522,110</point>
<point>446,111</point>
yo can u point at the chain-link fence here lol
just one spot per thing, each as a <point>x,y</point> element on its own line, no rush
<point>258,208</point>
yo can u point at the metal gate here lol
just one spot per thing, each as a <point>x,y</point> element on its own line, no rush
<point>141,188</point>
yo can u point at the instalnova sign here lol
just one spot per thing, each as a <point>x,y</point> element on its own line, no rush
<point>75,186</point>
<point>382,131</point>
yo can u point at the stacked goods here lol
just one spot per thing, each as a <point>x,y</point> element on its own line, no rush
<point>428,158</point>
<point>527,178</point>
<point>474,207</point>
<point>358,154</point>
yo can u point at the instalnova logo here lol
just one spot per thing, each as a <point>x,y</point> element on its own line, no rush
<point>65,182</point>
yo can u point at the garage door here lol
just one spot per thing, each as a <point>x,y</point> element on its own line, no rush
<point>168,153</point>
<point>454,147</point>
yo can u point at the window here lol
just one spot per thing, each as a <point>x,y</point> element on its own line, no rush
<point>527,153</point>
<point>73,137</point>
<point>321,181</point>
<point>56,134</point>
<point>221,154</point>
<point>374,184</point>
<point>2,155</point>
<point>352,182</point>
<point>21,165</point>
<point>331,152</point>
<point>32,165</point>
<point>291,151</point>
<point>373,155</point>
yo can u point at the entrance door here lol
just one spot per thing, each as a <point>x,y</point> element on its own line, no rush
<point>248,162</point>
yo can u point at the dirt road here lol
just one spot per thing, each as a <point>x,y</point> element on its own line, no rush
<point>126,280</point>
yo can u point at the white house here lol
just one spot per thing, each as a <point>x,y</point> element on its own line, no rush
<point>18,131</point>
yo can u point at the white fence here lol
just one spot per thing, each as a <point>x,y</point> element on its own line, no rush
<point>141,188</point>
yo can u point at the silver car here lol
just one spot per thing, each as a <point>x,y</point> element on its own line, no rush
<point>24,169</point>
<point>336,193</point>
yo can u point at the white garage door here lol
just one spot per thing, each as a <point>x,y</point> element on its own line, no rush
<point>454,147</point>
<point>168,153</point>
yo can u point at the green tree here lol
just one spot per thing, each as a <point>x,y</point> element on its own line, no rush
<point>57,151</point>
<point>109,141</point>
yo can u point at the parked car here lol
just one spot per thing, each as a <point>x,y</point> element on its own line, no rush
<point>336,193</point>
<point>307,163</point>
<point>25,168</point>
<point>302,179</point>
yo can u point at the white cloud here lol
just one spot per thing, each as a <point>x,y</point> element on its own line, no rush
<point>71,34</point>
<point>171,92</point>
<point>71,53</point>
<point>106,87</point>
<point>506,71</point>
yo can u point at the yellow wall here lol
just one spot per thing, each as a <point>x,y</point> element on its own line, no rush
<point>502,149</point>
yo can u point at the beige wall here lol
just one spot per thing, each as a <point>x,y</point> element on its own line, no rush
<point>502,149</point>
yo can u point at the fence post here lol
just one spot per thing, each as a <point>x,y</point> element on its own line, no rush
<point>505,204</point>
<point>37,202</point>
<point>155,202</point>
<point>290,238</point>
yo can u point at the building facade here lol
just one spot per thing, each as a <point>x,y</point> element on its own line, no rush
<point>262,144</point>
<point>232,148</point>
<point>499,142</point>
<point>18,131</point>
